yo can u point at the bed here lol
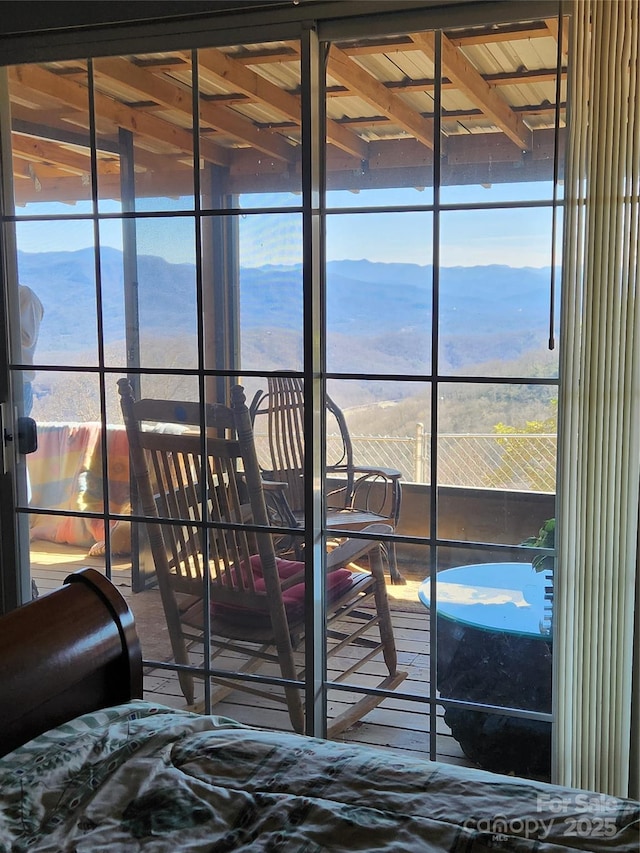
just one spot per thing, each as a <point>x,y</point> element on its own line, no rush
<point>87,765</point>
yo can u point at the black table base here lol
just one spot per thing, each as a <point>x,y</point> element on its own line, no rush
<point>504,669</point>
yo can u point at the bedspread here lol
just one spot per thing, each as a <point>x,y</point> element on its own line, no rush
<point>145,777</point>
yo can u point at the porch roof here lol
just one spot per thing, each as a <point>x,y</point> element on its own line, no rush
<point>498,114</point>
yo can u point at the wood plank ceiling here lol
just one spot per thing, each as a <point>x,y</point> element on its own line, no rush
<point>497,117</point>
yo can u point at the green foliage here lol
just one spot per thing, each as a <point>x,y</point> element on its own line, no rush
<point>523,454</point>
<point>546,538</point>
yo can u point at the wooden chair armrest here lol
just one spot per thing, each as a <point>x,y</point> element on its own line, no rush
<point>389,473</point>
<point>352,549</point>
<point>366,471</point>
<point>274,486</point>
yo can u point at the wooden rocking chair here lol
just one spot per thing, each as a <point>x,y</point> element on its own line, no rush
<point>209,534</point>
<point>358,495</point>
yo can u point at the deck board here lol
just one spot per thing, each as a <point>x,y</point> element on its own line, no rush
<point>397,723</point>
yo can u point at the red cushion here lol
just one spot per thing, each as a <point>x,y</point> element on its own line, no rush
<point>338,582</point>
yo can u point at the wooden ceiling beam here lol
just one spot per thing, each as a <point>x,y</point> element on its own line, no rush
<point>469,81</point>
<point>164,64</point>
<point>48,125</point>
<point>361,83</point>
<point>448,115</point>
<point>375,47</point>
<point>44,151</point>
<point>263,91</point>
<point>407,163</point>
<point>428,84</point>
<point>175,97</point>
<point>554,28</point>
<point>75,95</point>
<point>493,35</point>
<point>402,43</point>
<point>288,52</point>
<point>144,85</point>
<point>397,163</point>
<point>223,68</point>
<point>69,189</point>
<point>146,156</point>
<point>240,128</point>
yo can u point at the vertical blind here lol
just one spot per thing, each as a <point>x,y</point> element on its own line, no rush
<point>600,405</point>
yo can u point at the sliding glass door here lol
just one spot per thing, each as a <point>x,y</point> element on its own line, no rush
<point>360,228</point>
<point>442,299</point>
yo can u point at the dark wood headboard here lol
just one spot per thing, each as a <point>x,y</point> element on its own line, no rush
<point>70,652</point>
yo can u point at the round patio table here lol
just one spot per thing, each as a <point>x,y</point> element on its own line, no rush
<point>494,647</point>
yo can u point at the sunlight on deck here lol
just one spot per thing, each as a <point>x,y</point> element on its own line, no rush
<point>397,723</point>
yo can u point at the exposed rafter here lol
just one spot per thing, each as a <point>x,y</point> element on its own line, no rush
<point>389,45</point>
<point>162,133</point>
<point>428,84</point>
<point>499,33</point>
<point>262,91</point>
<point>43,151</point>
<point>554,28</point>
<point>174,97</point>
<point>361,83</point>
<point>469,81</point>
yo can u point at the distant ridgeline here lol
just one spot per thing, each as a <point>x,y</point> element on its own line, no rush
<point>487,313</point>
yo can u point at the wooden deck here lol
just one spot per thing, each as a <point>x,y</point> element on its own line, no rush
<point>397,723</point>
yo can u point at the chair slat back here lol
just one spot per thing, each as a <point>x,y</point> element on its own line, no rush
<point>196,494</point>
<point>286,436</point>
<point>285,425</point>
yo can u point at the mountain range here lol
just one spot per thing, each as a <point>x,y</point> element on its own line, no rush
<point>381,311</point>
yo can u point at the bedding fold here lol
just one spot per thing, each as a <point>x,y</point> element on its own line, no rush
<point>146,777</point>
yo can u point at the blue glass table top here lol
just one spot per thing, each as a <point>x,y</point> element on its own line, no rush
<point>507,597</point>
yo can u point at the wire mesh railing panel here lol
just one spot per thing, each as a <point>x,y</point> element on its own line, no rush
<point>517,462</point>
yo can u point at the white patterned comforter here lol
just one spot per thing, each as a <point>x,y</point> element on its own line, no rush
<point>144,777</point>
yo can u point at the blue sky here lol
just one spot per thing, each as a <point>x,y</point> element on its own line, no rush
<point>515,237</point>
